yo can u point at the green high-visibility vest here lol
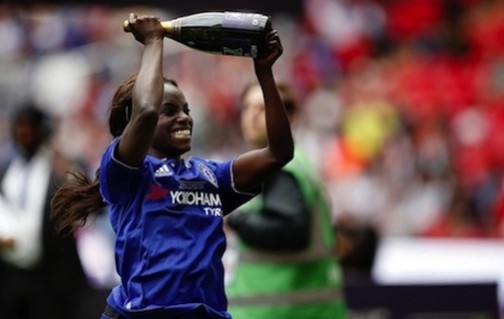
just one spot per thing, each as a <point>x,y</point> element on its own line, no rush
<point>301,285</point>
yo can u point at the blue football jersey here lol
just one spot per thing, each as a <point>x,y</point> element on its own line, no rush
<point>168,218</point>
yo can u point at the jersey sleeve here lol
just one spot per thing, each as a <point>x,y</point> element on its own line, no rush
<point>117,180</point>
<point>232,197</point>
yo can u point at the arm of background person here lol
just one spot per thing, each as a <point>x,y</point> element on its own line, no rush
<point>283,224</point>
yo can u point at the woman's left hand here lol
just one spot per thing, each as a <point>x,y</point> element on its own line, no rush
<point>275,50</point>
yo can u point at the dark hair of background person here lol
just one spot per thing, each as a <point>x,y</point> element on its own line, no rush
<point>32,115</point>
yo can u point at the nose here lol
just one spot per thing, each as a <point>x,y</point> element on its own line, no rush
<point>254,115</point>
<point>184,117</point>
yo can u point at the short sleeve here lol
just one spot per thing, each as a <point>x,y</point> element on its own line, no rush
<point>117,180</point>
<point>233,197</point>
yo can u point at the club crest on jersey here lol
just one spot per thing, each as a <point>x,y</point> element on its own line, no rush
<point>163,171</point>
<point>209,174</point>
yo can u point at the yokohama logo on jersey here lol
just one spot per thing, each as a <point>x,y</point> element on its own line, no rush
<point>195,198</point>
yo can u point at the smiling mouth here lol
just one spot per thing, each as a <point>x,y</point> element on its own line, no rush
<point>181,134</point>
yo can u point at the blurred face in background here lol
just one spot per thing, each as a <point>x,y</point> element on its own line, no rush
<point>253,120</point>
<point>28,135</point>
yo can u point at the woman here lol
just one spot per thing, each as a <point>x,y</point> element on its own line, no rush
<point>286,266</point>
<point>168,212</point>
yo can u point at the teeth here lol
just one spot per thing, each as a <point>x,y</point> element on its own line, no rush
<point>182,134</point>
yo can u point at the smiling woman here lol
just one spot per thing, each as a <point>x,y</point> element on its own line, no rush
<point>174,127</point>
<point>167,211</point>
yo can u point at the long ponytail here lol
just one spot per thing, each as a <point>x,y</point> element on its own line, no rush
<point>80,197</point>
<point>75,201</point>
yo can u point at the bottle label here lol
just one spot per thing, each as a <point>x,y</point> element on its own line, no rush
<point>239,47</point>
<point>243,21</point>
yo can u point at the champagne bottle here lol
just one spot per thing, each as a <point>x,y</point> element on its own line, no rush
<point>226,33</point>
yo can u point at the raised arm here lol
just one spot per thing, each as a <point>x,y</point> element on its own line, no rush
<point>147,91</point>
<point>251,169</point>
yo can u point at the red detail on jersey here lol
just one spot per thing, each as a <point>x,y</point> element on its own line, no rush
<point>156,192</point>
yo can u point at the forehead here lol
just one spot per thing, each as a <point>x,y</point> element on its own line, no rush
<point>173,94</point>
<point>254,96</point>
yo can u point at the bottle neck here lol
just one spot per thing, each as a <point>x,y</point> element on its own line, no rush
<point>171,27</point>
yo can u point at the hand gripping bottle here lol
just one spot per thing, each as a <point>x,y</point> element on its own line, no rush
<point>226,33</point>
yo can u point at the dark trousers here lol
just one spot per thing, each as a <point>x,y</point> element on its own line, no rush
<point>110,313</point>
<point>26,294</point>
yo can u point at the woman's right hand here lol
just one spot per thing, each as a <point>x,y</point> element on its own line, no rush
<point>145,28</point>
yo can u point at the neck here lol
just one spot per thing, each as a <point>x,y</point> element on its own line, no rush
<point>28,153</point>
<point>162,155</point>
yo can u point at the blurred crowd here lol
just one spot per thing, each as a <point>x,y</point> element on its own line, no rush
<point>402,101</point>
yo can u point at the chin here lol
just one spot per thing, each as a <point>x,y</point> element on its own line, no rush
<point>185,149</point>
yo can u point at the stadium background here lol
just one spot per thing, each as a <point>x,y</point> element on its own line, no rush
<point>402,112</point>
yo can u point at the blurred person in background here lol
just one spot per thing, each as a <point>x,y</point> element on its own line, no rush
<point>286,267</point>
<point>356,246</point>
<point>460,220</point>
<point>167,211</point>
<point>41,275</point>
